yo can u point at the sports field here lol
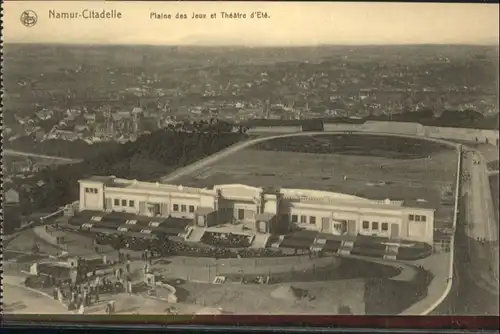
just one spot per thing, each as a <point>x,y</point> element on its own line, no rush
<point>376,167</point>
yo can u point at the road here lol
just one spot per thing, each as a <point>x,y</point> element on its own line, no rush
<point>41,156</point>
<point>475,287</point>
<point>482,223</point>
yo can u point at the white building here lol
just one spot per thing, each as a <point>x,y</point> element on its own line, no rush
<point>262,210</point>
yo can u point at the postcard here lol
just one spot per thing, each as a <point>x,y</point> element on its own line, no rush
<point>250,158</point>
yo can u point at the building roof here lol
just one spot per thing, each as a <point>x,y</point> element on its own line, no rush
<point>99,179</point>
<point>265,216</point>
<point>306,196</point>
<point>421,204</point>
<point>204,211</point>
<point>11,196</point>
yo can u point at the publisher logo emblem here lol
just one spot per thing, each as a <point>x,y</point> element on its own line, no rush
<point>29,18</point>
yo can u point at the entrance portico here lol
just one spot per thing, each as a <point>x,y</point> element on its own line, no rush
<point>237,202</point>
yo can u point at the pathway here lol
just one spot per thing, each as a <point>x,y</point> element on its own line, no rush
<point>36,155</point>
<point>18,299</point>
<point>481,218</point>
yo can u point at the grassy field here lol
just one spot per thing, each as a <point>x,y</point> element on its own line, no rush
<point>374,166</point>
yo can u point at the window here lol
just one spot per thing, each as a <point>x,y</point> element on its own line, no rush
<point>131,204</point>
<point>295,219</point>
<point>191,208</point>
<point>183,208</point>
<point>417,218</point>
<point>366,225</point>
<point>176,207</point>
<point>303,219</point>
<point>94,190</point>
<point>423,218</point>
<point>117,202</point>
<point>312,220</point>
<point>87,190</point>
<point>374,225</point>
<point>385,227</point>
<point>411,217</point>
<point>124,202</point>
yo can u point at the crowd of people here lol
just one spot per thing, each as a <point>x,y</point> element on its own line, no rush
<point>229,240</point>
<point>217,245</point>
<point>89,293</point>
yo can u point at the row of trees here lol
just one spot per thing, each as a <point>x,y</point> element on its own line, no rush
<point>80,149</point>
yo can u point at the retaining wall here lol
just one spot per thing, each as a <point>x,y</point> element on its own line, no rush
<point>404,128</point>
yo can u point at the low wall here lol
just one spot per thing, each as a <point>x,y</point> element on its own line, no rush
<point>404,128</point>
<point>275,129</point>
<point>205,270</point>
<point>254,262</point>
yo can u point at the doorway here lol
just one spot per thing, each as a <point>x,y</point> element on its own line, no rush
<point>394,231</point>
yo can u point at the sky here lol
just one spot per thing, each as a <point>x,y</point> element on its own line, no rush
<point>289,24</point>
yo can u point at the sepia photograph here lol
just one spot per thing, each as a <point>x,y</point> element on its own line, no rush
<point>250,158</point>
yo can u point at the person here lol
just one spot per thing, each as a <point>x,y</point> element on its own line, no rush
<point>84,298</point>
